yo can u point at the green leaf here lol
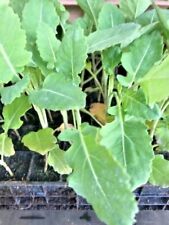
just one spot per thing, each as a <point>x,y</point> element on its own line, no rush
<point>41,141</point>
<point>162,136</point>
<point>14,111</point>
<point>36,12</point>
<point>39,63</point>
<point>72,54</point>
<point>106,38</point>
<point>134,104</point>
<point>8,94</point>
<point>62,13</point>
<point>4,2</point>
<point>13,56</point>
<point>85,23</point>
<point>130,144</point>
<point>6,145</point>
<point>160,170</point>
<point>155,82</point>
<point>94,167</point>
<point>111,58</point>
<point>92,8</point>
<point>47,44</point>
<point>18,6</point>
<point>56,159</point>
<point>110,16</point>
<point>133,9</point>
<point>58,94</point>
<point>141,56</point>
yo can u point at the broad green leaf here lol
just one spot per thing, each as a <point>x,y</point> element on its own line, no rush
<point>14,111</point>
<point>162,135</point>
<point>62,13</point>
<point>134,104</point>
<point>13,56</point>
<point>102,39</point>
<point>47,44</point>
<point>111,58</point>
<point>130,144</point>
<point>109,16</point>
<point>56,159</point>
<point>39,63</point>
<point>160,170</point>
<point>155,82</point>
<point>6,145</point>
<point>134,8</point>
<point>85,23</point>
<point>58,94</point>
<point>18,6</point>
<point>36,12</point>
<point>4,2</point>
<point>8,94</point>
<point>72,54</point>
<point>98,177</point>
<point>92,8</point>
<point>41,141</point>
<point>141,56</point>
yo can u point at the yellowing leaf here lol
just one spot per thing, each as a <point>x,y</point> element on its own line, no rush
<point>98,110</point>
<point>61,128</point>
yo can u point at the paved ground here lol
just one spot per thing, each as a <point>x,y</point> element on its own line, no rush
<point>73,218</point>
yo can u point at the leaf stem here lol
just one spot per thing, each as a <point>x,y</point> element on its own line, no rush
<point>97,81</point>
<point>3,163</point>
<point>121,120</point>
<point>44,123</point>
<point>163,108</point>
<point>65,118</point>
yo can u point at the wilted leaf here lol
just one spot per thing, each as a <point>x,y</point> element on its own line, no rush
<point>160,170</point>
<point>130,144</point>
<point>41,141</point>
<point>98,110</point>
<point>12,58</point>
<point>61,128</point>
<point>56,159</point>
<point>58,94</point>
<point>14,111</point>
<point>94,167</point>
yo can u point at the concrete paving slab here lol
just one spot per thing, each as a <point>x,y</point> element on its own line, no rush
<point>73,217</point>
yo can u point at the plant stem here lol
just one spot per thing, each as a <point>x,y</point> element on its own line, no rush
<point>97,81</point>
<point>44,123</point>
<point>3,163</point>
<point>65,118</point>
<point>74,119</point>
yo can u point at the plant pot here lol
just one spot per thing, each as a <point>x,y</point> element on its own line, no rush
<point>35,190</point>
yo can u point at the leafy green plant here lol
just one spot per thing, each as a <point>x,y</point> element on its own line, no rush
<point>106,75</point>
